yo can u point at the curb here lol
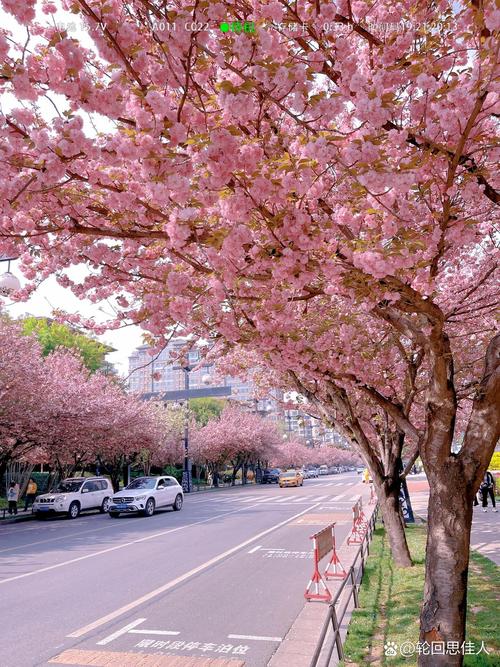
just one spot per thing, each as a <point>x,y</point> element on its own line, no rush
<point>17,519</point>
<point>299,643</point>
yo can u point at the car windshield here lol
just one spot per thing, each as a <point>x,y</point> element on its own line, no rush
<point>142,483</point>
<point>68,486</point>
<point>289,474</point>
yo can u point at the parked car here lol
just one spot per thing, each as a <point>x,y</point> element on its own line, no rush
<point>359,470</point>
<point>74,495</point>
<point>291,478</point>
<point>313,472</point>
<point>145,494</point>
<point>323,470</point>
<point>271,476</point>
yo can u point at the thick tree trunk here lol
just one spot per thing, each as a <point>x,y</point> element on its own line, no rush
<point>388,497</point>
<point>443,612</point>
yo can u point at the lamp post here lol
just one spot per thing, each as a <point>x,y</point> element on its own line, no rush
<point>187,480</point>
<point>8,281</point>
<point>179,396</point>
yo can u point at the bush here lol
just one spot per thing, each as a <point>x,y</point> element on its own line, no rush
<point>172,471</point>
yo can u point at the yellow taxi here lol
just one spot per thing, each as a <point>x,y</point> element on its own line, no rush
<point>291,478</point>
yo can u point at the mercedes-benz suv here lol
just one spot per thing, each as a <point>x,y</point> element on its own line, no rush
<point>145,494</point>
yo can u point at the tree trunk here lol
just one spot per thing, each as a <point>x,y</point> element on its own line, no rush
<point>388,497</point>
<point>443,614</point>
<point>3,469</point>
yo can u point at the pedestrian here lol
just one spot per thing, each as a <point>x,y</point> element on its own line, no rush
<point>487,488</point>
<point>30,493</point>
<point>13,496</point>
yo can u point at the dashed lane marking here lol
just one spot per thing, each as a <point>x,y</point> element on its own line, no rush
<point>121,631</point>
<point>252,551</point>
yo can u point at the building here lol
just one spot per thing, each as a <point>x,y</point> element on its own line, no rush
<point>162,372</point>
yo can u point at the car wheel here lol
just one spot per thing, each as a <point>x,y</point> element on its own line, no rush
<point>114,515</point>
<point>105,506</point>
<point>74,510</point>
<point>178,502</point>
<point>149,510</point>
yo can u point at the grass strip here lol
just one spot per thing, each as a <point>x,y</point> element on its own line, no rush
<point>390,600</point>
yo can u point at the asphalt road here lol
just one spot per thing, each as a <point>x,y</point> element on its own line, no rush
<point>224,578</point>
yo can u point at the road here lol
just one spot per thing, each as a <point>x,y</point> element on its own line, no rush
<point>224,578</point>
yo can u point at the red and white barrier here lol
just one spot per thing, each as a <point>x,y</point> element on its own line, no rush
<point>359,524</point>
<point>323,543</point>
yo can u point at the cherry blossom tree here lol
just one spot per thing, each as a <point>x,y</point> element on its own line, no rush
<point>55,410</point>
<point>22,396</point>
<point>236,437</point>
<point>292,454</point>
<point>326,196</point>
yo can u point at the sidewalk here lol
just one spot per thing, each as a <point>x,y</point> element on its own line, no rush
<point>299,644</point>
<point>485,533</point>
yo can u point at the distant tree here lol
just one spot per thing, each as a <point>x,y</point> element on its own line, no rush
<point>238,437</point>
<point>52,335</point>
<point>205,409</point>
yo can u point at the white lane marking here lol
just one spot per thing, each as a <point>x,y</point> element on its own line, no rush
<point>355,497</point>
<point>252,551</point>
<point>282,500</point>
<point>339,497</point>
<point>256,638</point>
<point>178,580</point>
<point>321,497</point>
<point>119,546</point>
<point>119,633</point>
<point>153,632</point>
<point>339,484</point>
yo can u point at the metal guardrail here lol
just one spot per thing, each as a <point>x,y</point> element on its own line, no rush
<point>334,618</point>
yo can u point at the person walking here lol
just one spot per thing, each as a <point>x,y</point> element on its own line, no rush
<point>30,493</point>
<point>487,488</point>
<point>13,497</point>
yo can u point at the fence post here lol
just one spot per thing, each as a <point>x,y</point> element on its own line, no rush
<point>338,638</point>
<point>354,589</point>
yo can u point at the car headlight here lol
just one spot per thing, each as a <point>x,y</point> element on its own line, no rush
<point>58,499</point>
<point>140,498</point>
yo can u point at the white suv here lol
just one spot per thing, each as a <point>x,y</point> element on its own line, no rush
<point>145,494</point>
<point>75,494</point>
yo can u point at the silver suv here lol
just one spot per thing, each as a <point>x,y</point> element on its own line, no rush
<point>74,495</point>
<point>145,494</point>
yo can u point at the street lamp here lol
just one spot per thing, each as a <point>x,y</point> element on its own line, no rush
<point>187,480</point>
<point>8,281</point>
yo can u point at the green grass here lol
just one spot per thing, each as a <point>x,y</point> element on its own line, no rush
<point>390,601</point>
